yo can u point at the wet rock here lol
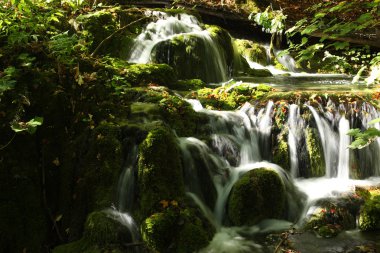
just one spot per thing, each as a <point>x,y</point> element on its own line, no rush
<point>176,230</point>
<point>369,219</point>
<point>159,170</point>
<point>315,153</point>
<point>258,195</point>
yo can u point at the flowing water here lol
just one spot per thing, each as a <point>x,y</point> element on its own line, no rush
<point>243,140</point>
<point>159,40</point>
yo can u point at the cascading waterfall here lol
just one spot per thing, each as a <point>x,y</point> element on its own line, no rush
<point>295,125</point>
<point>125,203</point>
<point>243,127</point>
<point>329,141</point>
<point>344,152</point>
<point>153,45</point>
<point>242,140</point>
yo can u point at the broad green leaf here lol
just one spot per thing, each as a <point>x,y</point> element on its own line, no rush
<point>353,132</point>
<point>30,126</point>
<point>374,121</point>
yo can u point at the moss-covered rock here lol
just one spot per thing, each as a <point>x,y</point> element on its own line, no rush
<point>103,165</point>
<point>159,170</point>
<point>231,96</point>
<point>281,151</point>
<point>186,54</point>
<point>369,219</point>
<point>258,195</point>
<point>315,153</point>
<point>154,74</point>
<point>334,215</point>
<point>99,24</point>
<point>102,230</point>
<point>190,84</point>
<point>252,51</point>
<point>176,230</point>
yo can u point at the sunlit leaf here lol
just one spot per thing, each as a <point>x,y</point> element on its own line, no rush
<point>374,121</point>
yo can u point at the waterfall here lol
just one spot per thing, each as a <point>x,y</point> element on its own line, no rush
<point>344,152</point>
<point>180,37</point>
<point>241,134</point>
<point>126,184</point>
<point>163,29</point>
<point>329,141</point>
<point>126,191</point>
<point>295,131</point>
<point>241,141</point>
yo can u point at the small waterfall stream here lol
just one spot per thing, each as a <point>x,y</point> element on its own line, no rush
<point>243,140</point>
<point>245,135</point>
<point>161,40</point>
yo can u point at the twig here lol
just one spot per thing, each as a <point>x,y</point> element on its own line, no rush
<point>9,142</point>
<point>114,33</point>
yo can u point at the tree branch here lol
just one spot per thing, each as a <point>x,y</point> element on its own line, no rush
<point>114,33</point>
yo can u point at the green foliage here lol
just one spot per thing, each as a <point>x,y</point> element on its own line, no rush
<point>369,219</point>
<point>30,126</point>
<point>363,138</point>
<point>7,82</point>
<point>64,47</point>
<point>332,20</point>
<point>272,21</point>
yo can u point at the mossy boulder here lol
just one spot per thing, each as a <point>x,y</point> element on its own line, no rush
<point>281,154</point>
<point>154,74</point>
<point>99,24</point>
<point>103,164</point>
<point>257,195</point>
<point>102,229</point>
<point>101,233</point>
<point>190,84</point>
<point>252,51</point>
<point>159,170</point>
<point>369,219</point>
<point>329,220</point>
<point>186,54</point>
<point>176,230</point>
<point>315,153</point>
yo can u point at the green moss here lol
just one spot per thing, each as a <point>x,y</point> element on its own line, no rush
<point>315,153</point>
<point>252,51</point>
<point>103,164</point>
<point>159,170</point>
<point>102,230</point>
<point>250,6</point>
<point>258,195</point>
<point>369,219</point>
<point>281,151</point>
<point>144,74</point>
<point>99,24</point>
<point>231,96</point>
<point>332,217</point>
<point>77,246</point>
<point>175,230</point>
<point>190,84</point>
<point>186,53</point>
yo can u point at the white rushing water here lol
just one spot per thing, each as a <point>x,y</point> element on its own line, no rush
<point>344,152</point>
<point>295,125</point>
<point>245,135</point>
<point>243,140</point>
<point>180,26</point>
